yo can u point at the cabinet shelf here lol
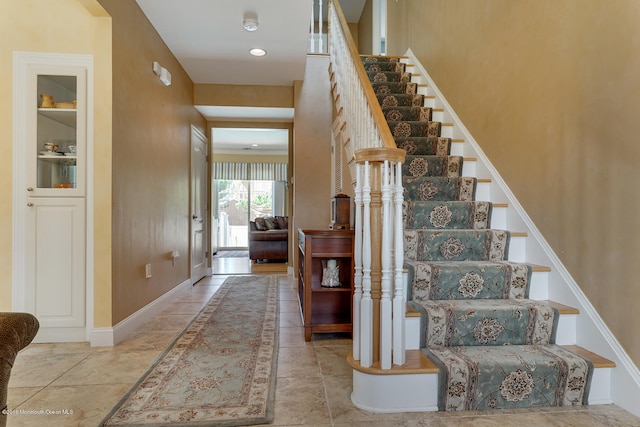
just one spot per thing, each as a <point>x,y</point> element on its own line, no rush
<point>66,116</point>
<point>325,309</point>
<point>45,156</point>
<point>336,289</point>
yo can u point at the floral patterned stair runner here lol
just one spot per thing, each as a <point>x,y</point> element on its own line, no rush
<point>494,346</point>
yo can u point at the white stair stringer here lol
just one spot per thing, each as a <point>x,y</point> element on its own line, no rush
<point>619,385</point>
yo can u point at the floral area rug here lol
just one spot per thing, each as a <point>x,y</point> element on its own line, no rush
<point>220,370</point>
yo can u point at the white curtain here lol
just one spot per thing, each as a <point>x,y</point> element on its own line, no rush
<point>250,171</point>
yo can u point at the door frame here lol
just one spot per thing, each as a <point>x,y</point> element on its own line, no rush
<point>22,61</point>
<point>198,136</point>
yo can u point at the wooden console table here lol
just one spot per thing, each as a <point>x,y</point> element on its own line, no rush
<point>325,309</point>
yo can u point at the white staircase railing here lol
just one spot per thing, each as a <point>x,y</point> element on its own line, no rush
<point>375,166</point>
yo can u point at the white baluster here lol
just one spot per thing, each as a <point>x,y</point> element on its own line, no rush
<point>312,31</point>
<point>366,315</point>
<point>320,42</point>
<point>385,299</point>
<point>357,258</point>
<point>399,295</point>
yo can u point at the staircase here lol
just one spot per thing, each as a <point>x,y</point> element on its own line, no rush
<point>480,333</point>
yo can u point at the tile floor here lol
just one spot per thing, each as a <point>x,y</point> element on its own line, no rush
<point>313,379</point>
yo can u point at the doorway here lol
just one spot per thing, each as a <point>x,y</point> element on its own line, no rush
<point>199,187</point>
<point>242,201</point>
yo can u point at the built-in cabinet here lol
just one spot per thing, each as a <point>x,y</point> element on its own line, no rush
<point>325,301</point>
<point>52,137</point>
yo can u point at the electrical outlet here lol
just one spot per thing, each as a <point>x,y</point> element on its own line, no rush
<point>148,270</point>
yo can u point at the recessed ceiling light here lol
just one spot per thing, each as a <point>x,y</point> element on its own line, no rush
<point>256,51</point>
<point>254,145</point>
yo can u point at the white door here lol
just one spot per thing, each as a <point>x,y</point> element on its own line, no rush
<point>199,241</point>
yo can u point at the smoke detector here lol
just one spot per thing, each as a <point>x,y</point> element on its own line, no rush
<point>250,22</point>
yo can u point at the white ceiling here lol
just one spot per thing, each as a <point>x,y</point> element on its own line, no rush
<point>209,41</point>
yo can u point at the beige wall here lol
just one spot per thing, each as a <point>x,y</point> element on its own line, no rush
<point>365,30</point>
<point>151,162</point>
<point>550,90</point>
<point>23,28</point>
<point>241,96</point>
<point>312,147</point>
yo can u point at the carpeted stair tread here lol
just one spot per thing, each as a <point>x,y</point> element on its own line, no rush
<point>388,76</point>
<point>384,66</point>
<point>456,280</point>
<point>456,245</point>
<point>510,377</point>
<point>402,113</point>
<point>446,214</point>
<point>428,146</point>
<point>439,188</point>
<point>477,322</point>
<point>400,129</point>
<point>388,88</point>
<point>416,166</point>
<point>400,100</point>
<point>384,58</point>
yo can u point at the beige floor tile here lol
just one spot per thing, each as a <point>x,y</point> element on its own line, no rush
<point>289,306</point>
<point>291,319</point>
<point>109,367</point>
<point>292,337</point>
<point>41,370</point>
<point>333,361</point>
<point>146,340</point>
<point>300,401</point>
<point>297,362</point>
<point>19,395</point>
<point>84,406</point>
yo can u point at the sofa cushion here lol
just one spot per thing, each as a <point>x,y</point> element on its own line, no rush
<point>283,222</point>
<point>270,222</point>
<point>261,224</point>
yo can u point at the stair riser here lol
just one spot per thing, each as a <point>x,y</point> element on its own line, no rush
<point>518,249</point>
<point>395,393</point>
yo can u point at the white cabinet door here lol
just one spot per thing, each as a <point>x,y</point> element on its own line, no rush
<point>56,134</point>
<point>56,266</point>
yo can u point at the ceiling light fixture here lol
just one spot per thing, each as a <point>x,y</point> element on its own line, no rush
<point>250,25</point>
<point>250,22</point>
<point>256,51</point>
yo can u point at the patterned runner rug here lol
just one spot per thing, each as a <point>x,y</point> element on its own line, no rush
<point>220,370</point>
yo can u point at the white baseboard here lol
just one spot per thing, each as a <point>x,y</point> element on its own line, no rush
<point>101,337</point>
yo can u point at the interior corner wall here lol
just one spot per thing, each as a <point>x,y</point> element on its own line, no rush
<point>550,91</point>
<point>312,148</point>
<point>151,162</point>
<point>365,29</point>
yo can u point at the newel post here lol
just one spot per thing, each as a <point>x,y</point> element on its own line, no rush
<point>379,166</point>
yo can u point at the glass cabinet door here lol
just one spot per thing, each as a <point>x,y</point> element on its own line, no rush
<point>58,133</point>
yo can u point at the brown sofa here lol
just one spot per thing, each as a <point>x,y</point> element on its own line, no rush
<point>269,239</point>
<point>17,330</point>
